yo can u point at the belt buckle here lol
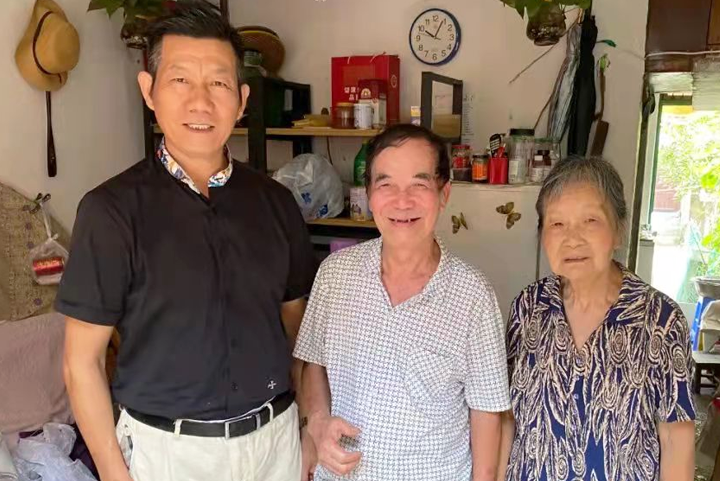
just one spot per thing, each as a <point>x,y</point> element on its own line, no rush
<point>256,416</point>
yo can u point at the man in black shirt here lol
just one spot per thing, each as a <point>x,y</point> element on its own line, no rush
<point>202,265</point>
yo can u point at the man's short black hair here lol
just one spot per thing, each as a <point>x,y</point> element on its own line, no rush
<point>399,134</point>
<point>196,19</point>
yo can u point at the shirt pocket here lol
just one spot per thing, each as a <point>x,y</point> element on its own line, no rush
<point>428,377</point>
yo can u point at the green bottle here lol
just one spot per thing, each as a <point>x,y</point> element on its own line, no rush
<point>359,166</point>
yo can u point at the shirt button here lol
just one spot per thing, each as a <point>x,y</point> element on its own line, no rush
<point>235,387</point>
<point>576,396</point>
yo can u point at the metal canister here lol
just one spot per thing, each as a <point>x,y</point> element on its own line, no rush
<point>363,116</point>
<point>359,207</point>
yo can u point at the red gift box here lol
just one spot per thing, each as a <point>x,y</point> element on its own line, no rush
<point>348,71</point>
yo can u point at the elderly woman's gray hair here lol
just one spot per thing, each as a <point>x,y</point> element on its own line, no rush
<point>580,170</point>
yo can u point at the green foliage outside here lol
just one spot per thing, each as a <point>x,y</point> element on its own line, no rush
<point>689,162</point>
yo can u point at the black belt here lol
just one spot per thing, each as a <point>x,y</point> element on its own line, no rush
<point>229,429</point>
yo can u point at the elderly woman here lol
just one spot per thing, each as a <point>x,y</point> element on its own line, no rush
<point>599,361</point>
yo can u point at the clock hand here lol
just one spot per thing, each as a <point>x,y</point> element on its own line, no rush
<point>429,34</point>
<point>438,30</point>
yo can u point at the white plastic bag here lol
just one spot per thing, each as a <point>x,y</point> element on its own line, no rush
<point>49,258</point>
<point>7,467</point>
<point>46,456</point>
<point>315,184</point>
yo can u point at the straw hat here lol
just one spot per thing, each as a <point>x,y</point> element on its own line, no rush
<point>49,49</point>
<point>267,43</point>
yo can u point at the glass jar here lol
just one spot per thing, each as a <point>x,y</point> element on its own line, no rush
<point>344,116</point>
<point>537,171</point>
<point>521,144</point>
<point>461,164</point>
<point>480,163</point>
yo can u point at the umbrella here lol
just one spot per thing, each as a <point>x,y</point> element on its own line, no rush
<point>582,109</point>
<point>563,92</point>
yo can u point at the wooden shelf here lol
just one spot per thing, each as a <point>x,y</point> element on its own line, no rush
<point>323,132</point>
<point>305,132</point>
<point>344,222</point>
<point>158,130</point>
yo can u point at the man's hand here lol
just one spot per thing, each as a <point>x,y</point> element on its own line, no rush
<point>309,456</point>
<point>326,432</point>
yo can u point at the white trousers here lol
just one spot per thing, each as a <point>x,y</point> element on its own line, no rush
<point>271,453</point>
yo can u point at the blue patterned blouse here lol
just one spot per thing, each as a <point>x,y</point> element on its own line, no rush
<point>592,414</point>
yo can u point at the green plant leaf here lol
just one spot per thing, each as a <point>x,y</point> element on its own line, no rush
<point>710,181</point>
<point>110,5</point>
<point>520,7</point>
<point>533,7</point>
<point>584,4</point>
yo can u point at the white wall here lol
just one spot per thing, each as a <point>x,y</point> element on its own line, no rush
<point>494,49</point>
<point>97,115</point>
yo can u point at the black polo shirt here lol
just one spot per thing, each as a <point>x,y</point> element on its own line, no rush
<point>194,286</point>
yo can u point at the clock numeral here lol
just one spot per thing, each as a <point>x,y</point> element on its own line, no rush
<point>452,36</point>
<point>449,47</point>
<point>435,18</point>
<point>450,28</point>
<point>444,53</point>
<point>420,48</point>
<point>427,21</point>
<point>418,38</point>
<point>434,56</point>
<point>421,28</point>
<point>426,53</point>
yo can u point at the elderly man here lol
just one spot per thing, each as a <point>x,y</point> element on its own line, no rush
<point>406,372</point>
<point>202,265</point>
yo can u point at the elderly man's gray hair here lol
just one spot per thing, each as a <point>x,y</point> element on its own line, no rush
<point>580,170</point>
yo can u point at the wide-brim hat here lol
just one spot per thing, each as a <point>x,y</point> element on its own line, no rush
<point>267,43</point>
<point>49,49</point>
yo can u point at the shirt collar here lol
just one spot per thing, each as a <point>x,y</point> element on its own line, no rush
<point>438,281</point>
<point>630,289</point>
<point>171,165</point>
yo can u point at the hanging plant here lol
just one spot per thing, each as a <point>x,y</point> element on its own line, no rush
<point>136,13</point>
<point>546,18</point>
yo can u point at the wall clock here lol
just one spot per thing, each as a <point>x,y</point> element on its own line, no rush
<point>435,36</point>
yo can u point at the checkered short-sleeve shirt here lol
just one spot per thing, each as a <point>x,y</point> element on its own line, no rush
<point>406,375</point>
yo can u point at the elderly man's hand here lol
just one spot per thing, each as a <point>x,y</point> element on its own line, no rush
<point>309,457</point>
<point>326,431</point>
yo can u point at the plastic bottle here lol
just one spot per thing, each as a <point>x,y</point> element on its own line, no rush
<point>359,165</point>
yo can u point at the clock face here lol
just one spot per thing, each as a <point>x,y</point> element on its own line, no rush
<point>435,36</point>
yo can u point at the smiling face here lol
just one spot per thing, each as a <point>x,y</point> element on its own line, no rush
<point>195,95</point>
<point>404,194</point>
<point>579,232</point>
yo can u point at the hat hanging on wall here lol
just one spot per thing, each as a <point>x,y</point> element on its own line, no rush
<point>48,50</point>
<point>263,48</point>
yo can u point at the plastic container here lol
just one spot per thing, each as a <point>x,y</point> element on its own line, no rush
<point>521,144</point>
<point>344,116</point>
<point>363,116</point>
<point>498,170</point>
<point>359,207</point>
